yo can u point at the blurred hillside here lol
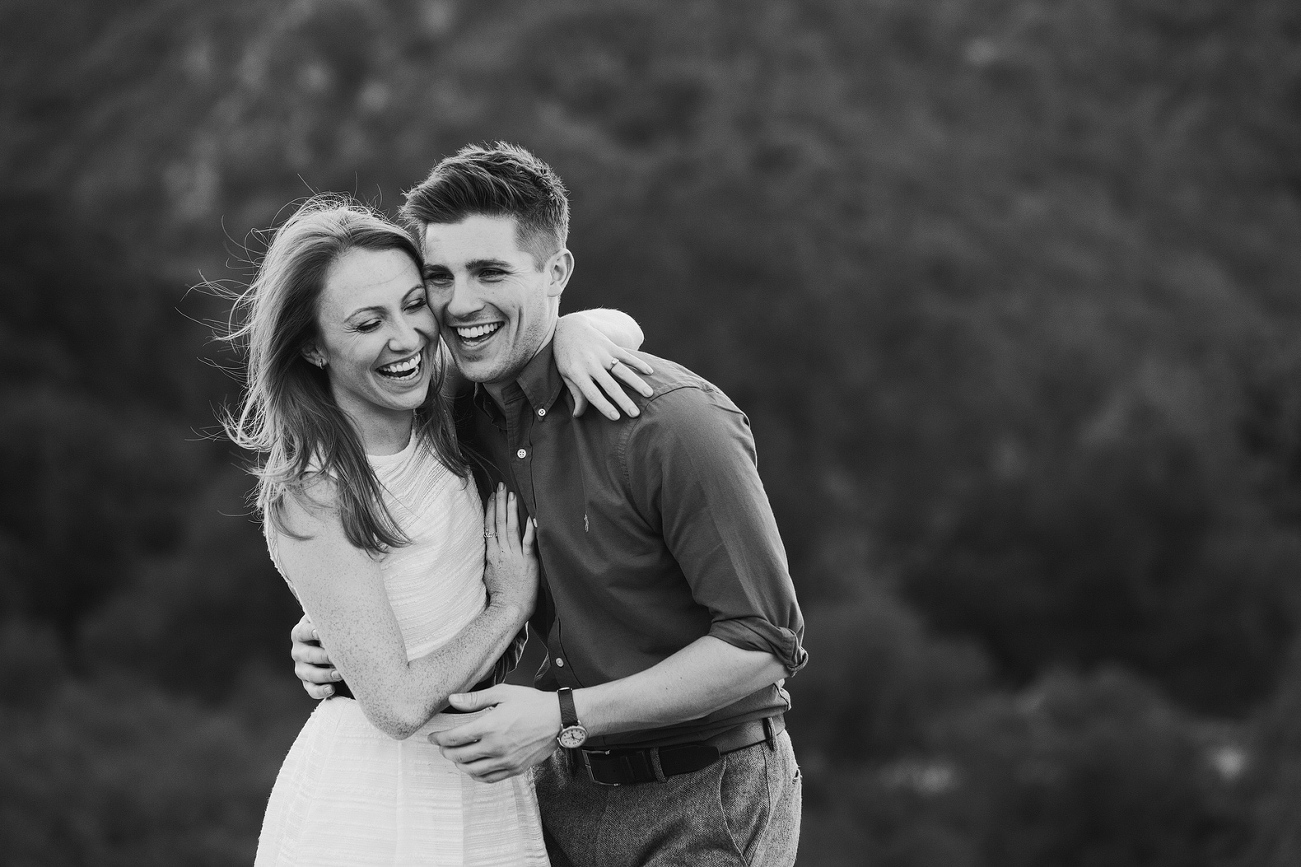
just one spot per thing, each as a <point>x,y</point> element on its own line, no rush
<point>1008,289</point>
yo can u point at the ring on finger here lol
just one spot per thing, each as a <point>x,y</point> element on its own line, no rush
<point>488,535</point>
<point>617,362</point>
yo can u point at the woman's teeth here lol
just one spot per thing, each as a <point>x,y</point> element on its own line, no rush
<point>407,369</point>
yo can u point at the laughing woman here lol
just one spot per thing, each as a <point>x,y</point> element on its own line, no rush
<point>373,518</point>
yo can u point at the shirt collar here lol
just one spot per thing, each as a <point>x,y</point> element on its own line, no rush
<point>539,383</point>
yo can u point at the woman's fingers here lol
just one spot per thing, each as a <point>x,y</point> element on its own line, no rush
<point>637,364</point>
<point>512,518</point>
<point>591,389</point>
<point>490,520</point>
<point>626,373</point>
<point>530,533</point>
<point>499,526</point>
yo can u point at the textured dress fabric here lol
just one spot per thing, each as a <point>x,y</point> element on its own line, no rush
<point>348,794</point>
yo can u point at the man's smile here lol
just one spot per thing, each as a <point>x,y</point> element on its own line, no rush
<point>474,336</point>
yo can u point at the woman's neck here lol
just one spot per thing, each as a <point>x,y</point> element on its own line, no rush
<point>385,434</point>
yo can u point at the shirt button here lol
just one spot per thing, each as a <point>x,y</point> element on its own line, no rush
<point>542,413</point>
<point>520,454</point>
<point>560,663</point>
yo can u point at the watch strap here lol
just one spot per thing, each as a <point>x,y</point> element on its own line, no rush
<point>568,712</point>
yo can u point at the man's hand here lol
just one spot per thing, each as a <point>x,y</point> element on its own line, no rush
<point>311,662</point>
<point>518,734</point>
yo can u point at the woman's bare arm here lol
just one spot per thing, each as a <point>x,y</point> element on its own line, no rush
<point>341,588</point>
<point>594,351</point>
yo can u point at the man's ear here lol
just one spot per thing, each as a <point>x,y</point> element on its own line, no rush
<point>559,268</point>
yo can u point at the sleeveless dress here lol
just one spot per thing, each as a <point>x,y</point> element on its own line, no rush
<point>348,794</point>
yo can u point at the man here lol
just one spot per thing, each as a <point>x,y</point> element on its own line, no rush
<point>667,609</point>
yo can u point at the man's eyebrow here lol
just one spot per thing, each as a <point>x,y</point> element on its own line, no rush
<point>472,265</point>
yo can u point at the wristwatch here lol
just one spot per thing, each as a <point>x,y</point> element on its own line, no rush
<point>572,734</point>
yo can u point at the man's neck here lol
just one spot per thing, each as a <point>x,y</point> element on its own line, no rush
<point>497,390</point>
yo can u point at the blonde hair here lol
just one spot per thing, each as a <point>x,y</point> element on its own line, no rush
<point>288,415</point>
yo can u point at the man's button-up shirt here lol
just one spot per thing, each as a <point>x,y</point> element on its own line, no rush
<point>652,532</point>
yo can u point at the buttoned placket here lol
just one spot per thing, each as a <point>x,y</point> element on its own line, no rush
<point>523,448</point>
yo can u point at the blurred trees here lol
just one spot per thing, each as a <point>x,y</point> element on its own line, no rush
<point>1007,287</point>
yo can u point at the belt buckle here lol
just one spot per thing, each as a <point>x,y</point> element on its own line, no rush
<point>587,762</point>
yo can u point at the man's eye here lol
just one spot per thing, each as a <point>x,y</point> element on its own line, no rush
<point>492,274</point>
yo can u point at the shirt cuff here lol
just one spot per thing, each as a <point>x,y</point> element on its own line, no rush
<point>755,633</point>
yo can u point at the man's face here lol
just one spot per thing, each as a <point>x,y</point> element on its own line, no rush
<point>496,305</point>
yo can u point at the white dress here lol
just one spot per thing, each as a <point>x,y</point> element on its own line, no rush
<point>348,794</point>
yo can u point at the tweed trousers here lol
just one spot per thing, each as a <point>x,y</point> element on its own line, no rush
<point>742,810</point>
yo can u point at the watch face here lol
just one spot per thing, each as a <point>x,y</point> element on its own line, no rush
<point>572,736</point>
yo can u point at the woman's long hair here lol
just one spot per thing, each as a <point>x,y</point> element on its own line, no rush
<point>288,415</point>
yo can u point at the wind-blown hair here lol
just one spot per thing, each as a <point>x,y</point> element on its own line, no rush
<point>288,415</point>
<point>503,180</point>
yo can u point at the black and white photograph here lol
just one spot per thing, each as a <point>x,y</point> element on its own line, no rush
<point>603,433</point>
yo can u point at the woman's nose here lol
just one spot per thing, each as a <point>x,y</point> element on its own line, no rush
<point>404,336</point>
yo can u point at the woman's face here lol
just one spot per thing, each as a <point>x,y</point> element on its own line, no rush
<point>377,335</point>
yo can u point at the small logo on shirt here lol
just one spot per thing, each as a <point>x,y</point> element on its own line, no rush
<point>586,529</point>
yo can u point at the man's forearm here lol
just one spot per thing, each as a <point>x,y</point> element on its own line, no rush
<point>704,676</point>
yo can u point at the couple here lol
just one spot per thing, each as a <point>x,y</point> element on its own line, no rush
<point>641,548</point>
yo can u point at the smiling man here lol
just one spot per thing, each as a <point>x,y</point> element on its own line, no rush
<point>666,605</point>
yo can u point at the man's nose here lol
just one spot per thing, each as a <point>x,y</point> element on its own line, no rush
<point>464,300</point>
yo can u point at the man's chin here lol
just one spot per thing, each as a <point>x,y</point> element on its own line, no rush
<point>482,371</point>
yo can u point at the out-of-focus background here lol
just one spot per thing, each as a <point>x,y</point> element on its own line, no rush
<point>1009,289</point>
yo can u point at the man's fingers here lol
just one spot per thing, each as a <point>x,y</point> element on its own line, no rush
<point>317,691</point>
<point>312,654</point>
<point>303,630</point>
<point>454,738</point>
<point>309,673</point>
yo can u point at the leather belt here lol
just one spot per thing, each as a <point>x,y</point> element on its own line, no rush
<point>621,767</point>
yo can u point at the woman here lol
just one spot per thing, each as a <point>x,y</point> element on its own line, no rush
<point>372,517</point>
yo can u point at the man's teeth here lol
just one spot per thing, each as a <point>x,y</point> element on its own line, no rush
<point>475,332</point>
<point>401,368</point>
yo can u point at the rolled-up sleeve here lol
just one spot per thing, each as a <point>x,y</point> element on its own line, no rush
<point>691,462</point>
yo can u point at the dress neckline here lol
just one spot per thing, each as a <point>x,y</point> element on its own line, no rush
<point>396,457</point>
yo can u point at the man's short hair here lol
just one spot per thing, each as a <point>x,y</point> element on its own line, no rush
<point>500,180</point>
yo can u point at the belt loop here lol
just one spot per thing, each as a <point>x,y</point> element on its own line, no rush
<point>768,737</point>
<point>655,764</point>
